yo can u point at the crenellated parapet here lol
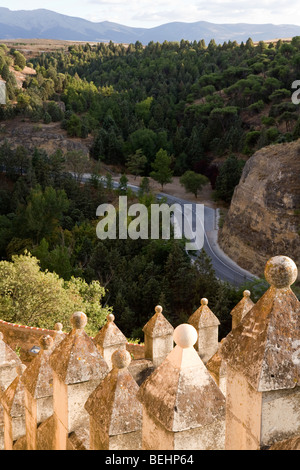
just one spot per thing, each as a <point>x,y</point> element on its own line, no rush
<point>173,396</point>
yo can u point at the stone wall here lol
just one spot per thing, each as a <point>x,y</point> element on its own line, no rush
<point>22,338</point>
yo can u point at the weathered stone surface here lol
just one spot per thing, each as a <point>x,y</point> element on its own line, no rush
<point>287,444</point>
<point>110,339</point>
<point>281,271</point>
<point>37,378</point>
<point>158,325</point>
<point>180,393</point>
<point>76,359</point>
<point>158,333</point>
<point>24,337</point>
<point>45,434</point>
<point>115,413</point>
<point>207,326</point>
<point>217,368</point>
<point>13,403</point>
<point>240,310</point>
<point>140,369</point>
<point>203,317</point>
<point>265,346</point>
<point>256,420</point>
<point>21,444</point>
<point>8,361</point>
<point>13,397</point>
<point>113,405</point>
<point>263,219</point>
<point>110,334</point>
<point>79,439</point>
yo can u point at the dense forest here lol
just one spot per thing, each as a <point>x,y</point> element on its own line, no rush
<point>191,100</point>
<point>202,109</point>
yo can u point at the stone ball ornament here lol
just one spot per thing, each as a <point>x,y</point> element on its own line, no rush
<point>46,342</point>
<point>121,359</point>
<point>281,272</point>
<point>79,320</point>
<point>185,335</point>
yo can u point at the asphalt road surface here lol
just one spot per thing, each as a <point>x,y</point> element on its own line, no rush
<point>225,268</point>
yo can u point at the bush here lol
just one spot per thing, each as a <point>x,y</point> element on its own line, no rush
<point>47,118</point>
<point>268,121</point>
<point>257,107</point>
<point>272,134</point>
<point>19,59</point>
<point>252,138</point>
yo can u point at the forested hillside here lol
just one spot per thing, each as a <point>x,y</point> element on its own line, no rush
<point>195,102</point>
<point>206,108</point>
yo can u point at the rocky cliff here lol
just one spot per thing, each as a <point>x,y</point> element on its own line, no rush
<point>264,215</point>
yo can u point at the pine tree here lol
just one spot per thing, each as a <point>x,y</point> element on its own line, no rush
<point>162,172</point>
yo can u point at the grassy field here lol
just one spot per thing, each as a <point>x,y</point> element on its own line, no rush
<point>33,47</point>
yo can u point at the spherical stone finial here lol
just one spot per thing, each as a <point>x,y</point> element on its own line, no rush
<point>46,342</point>
<point>79,320</point>
<point>204,301</point>
<point>158,309</point>
<point>246,293</point>
<point>58,326</point>
<point>121,359</point>
<point>185,335</point>
<point>110,317</point>
<point>281,271</point>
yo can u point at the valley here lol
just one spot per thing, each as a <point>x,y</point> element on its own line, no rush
<point>145,116</point>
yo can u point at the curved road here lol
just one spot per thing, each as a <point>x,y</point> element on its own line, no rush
<point>225,268</point>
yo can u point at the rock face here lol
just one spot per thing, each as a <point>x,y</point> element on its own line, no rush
<point>264,215</point>
<point>49,137</point>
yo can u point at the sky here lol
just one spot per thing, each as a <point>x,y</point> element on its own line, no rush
<point>150,13</point>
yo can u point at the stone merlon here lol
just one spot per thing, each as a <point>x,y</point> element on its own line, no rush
<point>203,317</point>
<point>240,310</point>
<point>158,325</point>
<point>180,393</point>
<point>110,334</point>
<point>265,346</point>
<point>76,358</point>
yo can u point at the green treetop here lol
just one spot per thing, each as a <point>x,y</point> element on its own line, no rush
<point>35,298</point>
<point>162,172</point>
<point>193,182</point>
<point>136,163</point>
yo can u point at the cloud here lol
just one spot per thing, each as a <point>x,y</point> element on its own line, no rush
<point>256,11</point>
<point>105,2</point>
<point>166,16</point>
<point>148,13</point>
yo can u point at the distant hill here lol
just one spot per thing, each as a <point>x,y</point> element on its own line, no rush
<point>46,24</point>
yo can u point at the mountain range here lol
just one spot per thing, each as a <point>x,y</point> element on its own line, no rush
<point>46,24</point>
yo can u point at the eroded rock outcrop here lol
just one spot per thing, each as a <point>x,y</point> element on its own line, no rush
<point>49,137</point>
<point>264,215</point>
